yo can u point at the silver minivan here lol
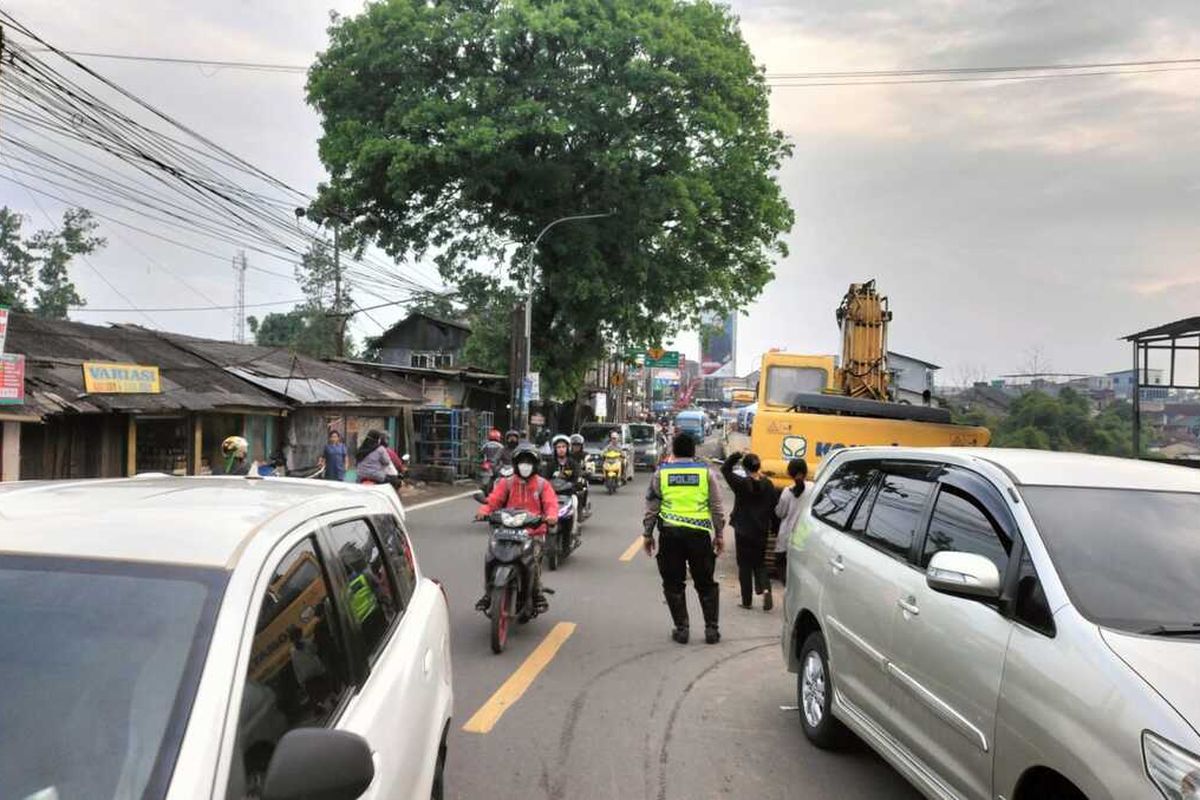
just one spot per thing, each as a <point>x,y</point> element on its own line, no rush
<point>1002,623</point>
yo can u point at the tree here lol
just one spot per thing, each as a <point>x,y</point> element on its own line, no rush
<point>35,272</point>
<point>314,327</point>
<point>1066,422</point>
<point>456,128</point>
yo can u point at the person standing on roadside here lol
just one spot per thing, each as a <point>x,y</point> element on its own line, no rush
<point>788,512</point>
<point>753,517</point>
<point>683,501</point>
<point>334,461</point>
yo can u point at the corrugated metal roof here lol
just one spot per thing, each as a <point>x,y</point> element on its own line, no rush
<point>300,378</point>
<point>56,349</point>
<point>1187,327</point>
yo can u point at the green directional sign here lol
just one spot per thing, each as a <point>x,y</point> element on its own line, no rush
<point>665,359</point>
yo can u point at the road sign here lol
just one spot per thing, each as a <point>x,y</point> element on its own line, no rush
<point>535,388</point>
<point>659,358</point>
<point>12,379</point>
<point>537,419</point>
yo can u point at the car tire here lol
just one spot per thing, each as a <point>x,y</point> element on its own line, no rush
<point>814,696</point>
<point>438,792</point>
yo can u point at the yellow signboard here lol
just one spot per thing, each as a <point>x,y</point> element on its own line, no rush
<point>101,377</point>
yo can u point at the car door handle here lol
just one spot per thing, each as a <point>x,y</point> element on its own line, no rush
<point>909,605</point>
<point>837,564</point>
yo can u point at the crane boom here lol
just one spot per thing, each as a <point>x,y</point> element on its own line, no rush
<point>863,317</point>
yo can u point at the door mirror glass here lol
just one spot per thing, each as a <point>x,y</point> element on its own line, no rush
<point>964,574</point>
<point>319,762</point>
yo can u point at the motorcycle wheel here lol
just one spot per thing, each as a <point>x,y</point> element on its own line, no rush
<point>501,611</point>
<point>611,485</point>
<point>552,557</point>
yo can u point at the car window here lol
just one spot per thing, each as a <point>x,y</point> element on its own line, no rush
<point>1128,558</point>
<point>1031,606</point>
<point>642,434</point>
<point>841,493</point>
<point>961,523</point>
<point>399,553</point>
<point>99,663</point>
<point>897,510</point>
<point>298,666</point>
<point>370,596</point>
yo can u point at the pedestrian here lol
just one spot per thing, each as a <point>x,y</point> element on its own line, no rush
<point>334,461</point>
<point>753,518</point>
<point>234,449</point>
<point>788,512</point>
<point>685,505</point>
<point>372,462</point>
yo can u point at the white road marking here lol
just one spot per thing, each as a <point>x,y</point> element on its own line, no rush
<point>438,502</point>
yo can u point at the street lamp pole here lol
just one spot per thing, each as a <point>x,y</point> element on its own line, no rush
<point>525,401</point>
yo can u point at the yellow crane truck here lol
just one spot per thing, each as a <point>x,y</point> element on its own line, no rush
<point>810,405</point>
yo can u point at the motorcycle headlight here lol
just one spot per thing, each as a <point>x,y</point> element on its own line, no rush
<point>1175,771</point>
<point>514,519</point>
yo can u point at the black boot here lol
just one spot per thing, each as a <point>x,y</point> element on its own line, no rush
<point>710,604</point>
<point>484,603</point>
<point>677,605</point>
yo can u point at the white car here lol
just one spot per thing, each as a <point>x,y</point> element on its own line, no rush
<point>217,638</point>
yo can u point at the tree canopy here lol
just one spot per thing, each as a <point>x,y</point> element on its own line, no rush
<point>458,128</point>
<point>34,270</point>
<point>1040,421</point>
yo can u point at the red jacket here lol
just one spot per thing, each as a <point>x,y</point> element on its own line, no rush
<point>535,495</point>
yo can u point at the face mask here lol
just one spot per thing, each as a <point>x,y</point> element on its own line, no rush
<point>525,470</point>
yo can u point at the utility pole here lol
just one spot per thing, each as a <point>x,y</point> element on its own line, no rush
<point>239,297</point>
<point>337,288</point>
<point>524,411</point>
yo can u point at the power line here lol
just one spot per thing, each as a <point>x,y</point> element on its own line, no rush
<point>979,78</point>
<point>197,62</point>
<point>165,309</point>
<point>894,73</point>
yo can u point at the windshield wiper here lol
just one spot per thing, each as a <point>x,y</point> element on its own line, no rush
<point>1192,629</point>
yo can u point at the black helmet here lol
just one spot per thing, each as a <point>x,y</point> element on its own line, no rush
<point>526,452</point>
<point>513,434</point>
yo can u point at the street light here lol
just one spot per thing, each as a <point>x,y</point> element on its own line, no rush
<point>525,402</point>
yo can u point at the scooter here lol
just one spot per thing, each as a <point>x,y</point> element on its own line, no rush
<point>511,559</point>
<point>568,536</point>
<point>612,470</point>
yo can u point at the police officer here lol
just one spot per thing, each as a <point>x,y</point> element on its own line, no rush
<point>685,504</point>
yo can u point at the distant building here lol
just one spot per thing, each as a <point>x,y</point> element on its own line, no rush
<point>1123,380</point>
<point>912,378</point>
<point>423,341</point>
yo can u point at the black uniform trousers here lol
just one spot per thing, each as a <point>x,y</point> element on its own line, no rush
<point>752,566</point>
<point>683,549</point>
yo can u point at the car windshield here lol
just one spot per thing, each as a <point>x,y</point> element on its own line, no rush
<point>642,434</point>
<point>1127,558</point>
<point>596,434</point>
<point>98,666</point>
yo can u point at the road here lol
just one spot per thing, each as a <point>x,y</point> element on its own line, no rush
<point>620,710</point>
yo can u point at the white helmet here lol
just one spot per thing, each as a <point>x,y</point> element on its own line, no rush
<point>234,447</point>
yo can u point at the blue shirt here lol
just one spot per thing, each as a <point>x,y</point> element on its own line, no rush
<point>335,462</point>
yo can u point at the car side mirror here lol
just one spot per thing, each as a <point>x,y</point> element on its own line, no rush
<point>479,497</point>
<point>319,762</point>
<point>963,574</point>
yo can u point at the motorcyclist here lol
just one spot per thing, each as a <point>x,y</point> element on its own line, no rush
<point>512,439</point>
<point>234,449</point>
<point>578,453</point>
<point>561,462</point>
<point>527,490</point>
<point>614,443</point>
<point>493,447</point>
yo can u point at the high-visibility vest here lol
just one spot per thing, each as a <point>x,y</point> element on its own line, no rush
<point>684,489</point>
<point>362,598</point>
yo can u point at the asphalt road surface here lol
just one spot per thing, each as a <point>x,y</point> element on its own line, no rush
<point>618,709</point>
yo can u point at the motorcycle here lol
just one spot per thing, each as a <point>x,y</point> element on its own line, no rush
<point>511,552</point>
<point>567,538</point>
<point>490,472</point>
<point>612,470</point>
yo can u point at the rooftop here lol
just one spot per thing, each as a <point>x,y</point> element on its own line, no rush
<point>150,518</point>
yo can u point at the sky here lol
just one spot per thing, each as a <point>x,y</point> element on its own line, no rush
<point>1011,223</point>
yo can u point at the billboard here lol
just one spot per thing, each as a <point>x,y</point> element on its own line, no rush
<point>12,379</point>
<point>717,342</point>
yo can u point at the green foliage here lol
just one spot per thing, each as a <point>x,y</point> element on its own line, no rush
<point>458,127</point>
<point>1039,421</point>
<point>35,271</point>
<point>312,328</point>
